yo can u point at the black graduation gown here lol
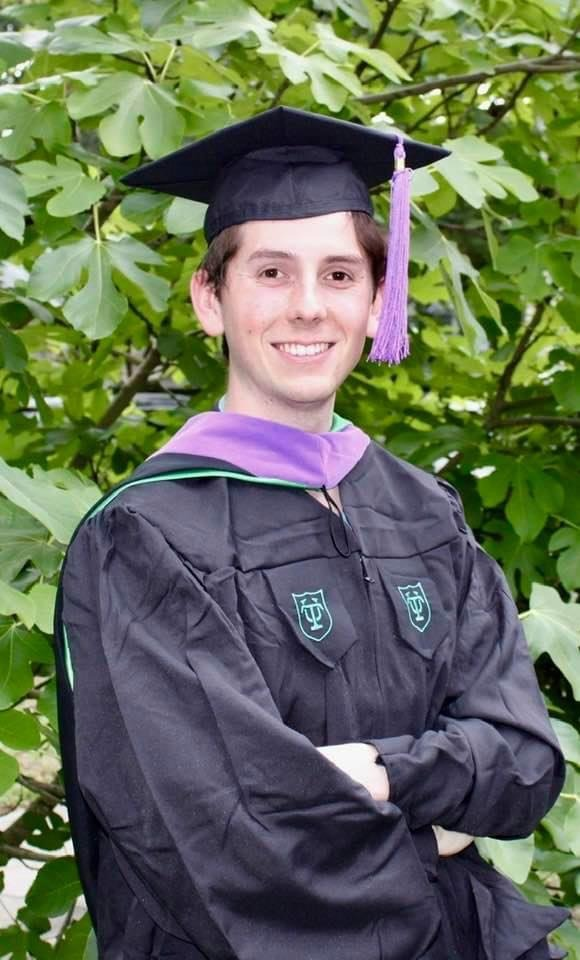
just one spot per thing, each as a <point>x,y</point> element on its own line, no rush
<point>216,630</point>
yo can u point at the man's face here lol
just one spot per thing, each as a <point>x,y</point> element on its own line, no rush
<point>296,307</point>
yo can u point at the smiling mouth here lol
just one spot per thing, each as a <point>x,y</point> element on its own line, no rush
<point>303,349</point>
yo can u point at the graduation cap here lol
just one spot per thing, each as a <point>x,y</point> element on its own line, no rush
<point>286,164</point>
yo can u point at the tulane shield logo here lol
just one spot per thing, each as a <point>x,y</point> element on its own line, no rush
<point>314,617</point>
<point>417,604</point>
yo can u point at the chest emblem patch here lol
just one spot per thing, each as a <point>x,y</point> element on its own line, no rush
<point>418,606</point>
<point>314,617</point>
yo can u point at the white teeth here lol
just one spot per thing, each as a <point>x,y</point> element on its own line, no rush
<point>300,350</point>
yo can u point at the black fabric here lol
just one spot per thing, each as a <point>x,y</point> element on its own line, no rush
<point>200,692</point>
<point>281,164</point>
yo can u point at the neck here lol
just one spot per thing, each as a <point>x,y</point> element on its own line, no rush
<point>310,417</point>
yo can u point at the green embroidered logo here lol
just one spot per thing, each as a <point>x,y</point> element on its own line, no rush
<point>314,617</point>
<point>417,604</point>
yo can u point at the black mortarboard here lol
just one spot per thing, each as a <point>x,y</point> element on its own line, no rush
<point>285,164</point>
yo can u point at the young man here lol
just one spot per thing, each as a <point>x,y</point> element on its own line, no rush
<point>292,686</point>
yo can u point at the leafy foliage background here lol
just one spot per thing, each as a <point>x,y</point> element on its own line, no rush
<point>102,358</point>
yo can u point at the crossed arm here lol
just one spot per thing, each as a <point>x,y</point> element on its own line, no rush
<point>358,761</point>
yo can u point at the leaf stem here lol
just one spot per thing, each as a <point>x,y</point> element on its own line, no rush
<point>96,223</point>
<point>150,68</point>
<point>170,57</point>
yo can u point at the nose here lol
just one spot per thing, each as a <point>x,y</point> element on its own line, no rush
<point>306,304</point>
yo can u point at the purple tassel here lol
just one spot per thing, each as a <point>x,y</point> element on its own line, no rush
<point>391,343</point>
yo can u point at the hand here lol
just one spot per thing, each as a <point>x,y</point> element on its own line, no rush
<point>449,842</point>
<point>357,760</point>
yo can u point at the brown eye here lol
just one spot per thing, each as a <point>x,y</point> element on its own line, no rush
<point>271,273</point>
<point>340,275</point>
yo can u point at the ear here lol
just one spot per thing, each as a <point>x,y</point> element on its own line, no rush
<point>375,311</point>
<point>206,304</point>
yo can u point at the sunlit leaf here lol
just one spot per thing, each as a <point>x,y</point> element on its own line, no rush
<point>57,500</point>
<point>76,190</point>
<point>553,627</point>
<point>146,115</point>
<point>98,307</point>
<point>512,857</point>
<point>13,204</point>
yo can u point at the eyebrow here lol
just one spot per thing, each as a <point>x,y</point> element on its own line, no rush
<point>350,258</point>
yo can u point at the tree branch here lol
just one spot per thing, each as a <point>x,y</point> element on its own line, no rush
<point>123,399</point>
<point>381,30</point>
<point>510,368</point>
<point>563,64</point>
<point>8,850</point>
<point>547,421</point>
<point>507,106</point>
<point>51,791</point>
<point>21,829</point>
<point>130,388</point>
<point>435,108</point>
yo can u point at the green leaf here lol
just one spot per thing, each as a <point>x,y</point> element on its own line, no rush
<point>442,201</point>
<point>124,254</point>
<point>13,602</point>
<point>55,888</point>
<point>473,148</point>
<point>491,307</point>
<point>18,122</point>
<point>567,539</point>
<point>57,499</point>
<point>494,487</point>
<point>568,181</point>
<point>569,740</point>
<point>22,539</point>
<point>339,49</point>
<point>91,950</point>
<point>8,771</point>
<point>423,184</point>
<point>329,82</point>
<point>566,388</point>
<point>453,267</point>
<point>512,857</point>
<point>427,244</point>
<point>74,942</point>
<point>523,511</point>
<point>76,190</point>
<point>463,179</point>
<point>57,271</point>
<point>146,115</point>
<point>43,598</point>
<point>553,627</point>
<point>19,730</point>
<point>78,39</point>
<point>13,204</point>
<point>47,704</point>
<point>12,52</point>
<point>514,182</point>
<point>184,217</point>
<point>153,14</point>
<point>98,308</point>
<point>13,353</point>
<point>144,208</point>
<point>217,22</point>
<point>513,256</point>
<point>15,673</point>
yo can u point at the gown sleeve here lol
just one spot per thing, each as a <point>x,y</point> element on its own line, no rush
<point>492,765</point>
<point>227,824</point>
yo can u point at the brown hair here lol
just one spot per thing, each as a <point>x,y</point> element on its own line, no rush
<point>225,246</point>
